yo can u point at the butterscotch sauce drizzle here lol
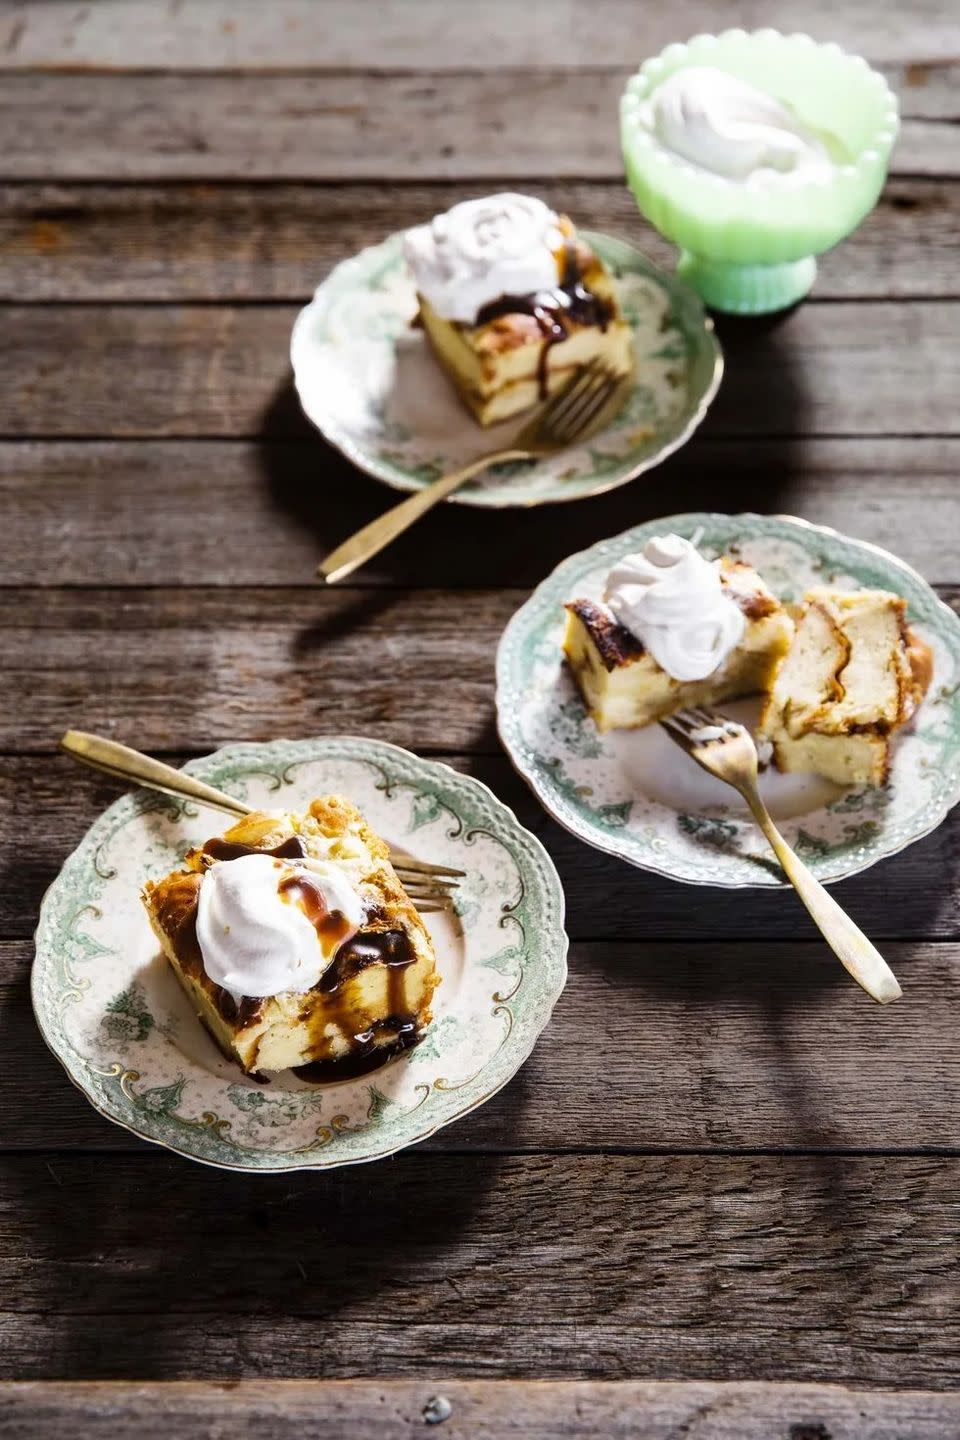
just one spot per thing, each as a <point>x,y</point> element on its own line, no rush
<point>570,300</point>
<point>332,926</point>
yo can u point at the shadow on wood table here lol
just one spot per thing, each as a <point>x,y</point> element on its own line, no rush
<point>310,480</point>
<point>327,1254</point>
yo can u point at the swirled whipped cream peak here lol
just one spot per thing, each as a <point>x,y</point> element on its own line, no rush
<point>720,123</point>
<point>481,249</point>
<point>266,927</point>
<point>671,598</point>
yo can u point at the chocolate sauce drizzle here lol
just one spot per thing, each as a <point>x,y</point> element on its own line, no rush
<point>332,926</point>
<point>219,849</point>
<point>392,949</point>
<point>552,309</point>
<point>367,1056</point>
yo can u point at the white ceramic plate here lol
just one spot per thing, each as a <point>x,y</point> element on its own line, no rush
<point>111,1010</point>
<point>367,380</point>
<point>635,794</point>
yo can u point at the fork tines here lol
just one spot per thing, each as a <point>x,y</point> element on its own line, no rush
<point>692,719</point>
<point>581,402</point>
<point>423,867</point>
<point>431,887</point>
<point>575,408</point>
<point>683,725</point>
<point>430,899</point>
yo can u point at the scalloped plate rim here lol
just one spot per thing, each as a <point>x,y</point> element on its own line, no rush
<point>373,467</point>
<point>590,837</point>
<point>200,763</point>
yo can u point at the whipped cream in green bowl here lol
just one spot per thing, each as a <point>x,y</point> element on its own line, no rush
<point>755,153</point>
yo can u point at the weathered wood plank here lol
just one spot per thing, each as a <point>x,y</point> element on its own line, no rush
<point>294,661</point>
<point>478,1410</point>
<point>547,124</point>
<point>275,242</point>
<point>128,371</point>
<point>913,895</point>
<point>721,1045</point>
<point>113,513</point>
<point>567,1267</point>
<point>301,34</point>
<point>187,669</point>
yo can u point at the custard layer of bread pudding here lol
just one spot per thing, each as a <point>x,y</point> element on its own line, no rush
<point>513,303</point>
<point>296,942</point>
<point>855,674</point>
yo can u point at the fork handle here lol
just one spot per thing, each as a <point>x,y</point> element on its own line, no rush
<point>127,764</point>
<point>861,958</point>
<point>374,537</point>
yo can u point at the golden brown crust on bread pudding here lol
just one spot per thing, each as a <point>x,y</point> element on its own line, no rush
<point>616,645</point>
<point>374,996</point>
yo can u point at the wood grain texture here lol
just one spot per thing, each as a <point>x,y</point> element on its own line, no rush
<point>478,1410</point>
<point>210,35</point>
<point>275,242</point>
<point>212,513</point>
<point>278,662</point>
<point>721,1162</point>
<point>130,371</point>
<point>186,669</point>
<point>555,1266</point>
<point>654,1046</point>
<point>395,127</point>
<point>910,896</point>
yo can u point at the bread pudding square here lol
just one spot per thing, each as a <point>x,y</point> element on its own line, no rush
<point>521,350</point>
<point>855,674</point>
<point>513,302</point>
<point>623,686</point>
<point>333,919</point>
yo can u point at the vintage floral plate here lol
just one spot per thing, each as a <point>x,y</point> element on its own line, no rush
<point>368,381</point>
<point>635,794</point>
<point>112,1012</point>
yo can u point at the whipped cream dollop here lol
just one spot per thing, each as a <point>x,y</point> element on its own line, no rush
<point>671,598</point>
<point>255,936</point>
<point>481,249</point>
<point>724,125</point>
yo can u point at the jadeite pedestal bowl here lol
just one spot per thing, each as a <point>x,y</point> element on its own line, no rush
<point>750,250</point>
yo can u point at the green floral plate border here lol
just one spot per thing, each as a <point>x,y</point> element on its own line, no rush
<point>366,379</point>
<point>111,1011</point>
<point>630,792</point>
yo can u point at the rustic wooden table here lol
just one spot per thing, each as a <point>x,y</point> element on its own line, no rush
<point>722,1168</point>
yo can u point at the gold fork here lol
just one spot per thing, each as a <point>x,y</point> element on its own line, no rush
<point>430,886</point>
<point>587,403</point>
<point>726,750</point>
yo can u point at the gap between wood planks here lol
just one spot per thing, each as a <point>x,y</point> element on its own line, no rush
<point>377,1409</point>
